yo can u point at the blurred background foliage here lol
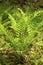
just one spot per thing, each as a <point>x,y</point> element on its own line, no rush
<point>21,32</point>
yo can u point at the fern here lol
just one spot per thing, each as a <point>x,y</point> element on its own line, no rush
<point>21,29</point>
<point>19,26</point>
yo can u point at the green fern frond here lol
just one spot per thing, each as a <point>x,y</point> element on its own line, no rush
<point>23,29</point>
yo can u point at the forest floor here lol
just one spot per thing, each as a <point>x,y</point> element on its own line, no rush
<point>9,56</point>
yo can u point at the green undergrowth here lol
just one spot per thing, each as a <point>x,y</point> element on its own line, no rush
<point>21,30</point>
